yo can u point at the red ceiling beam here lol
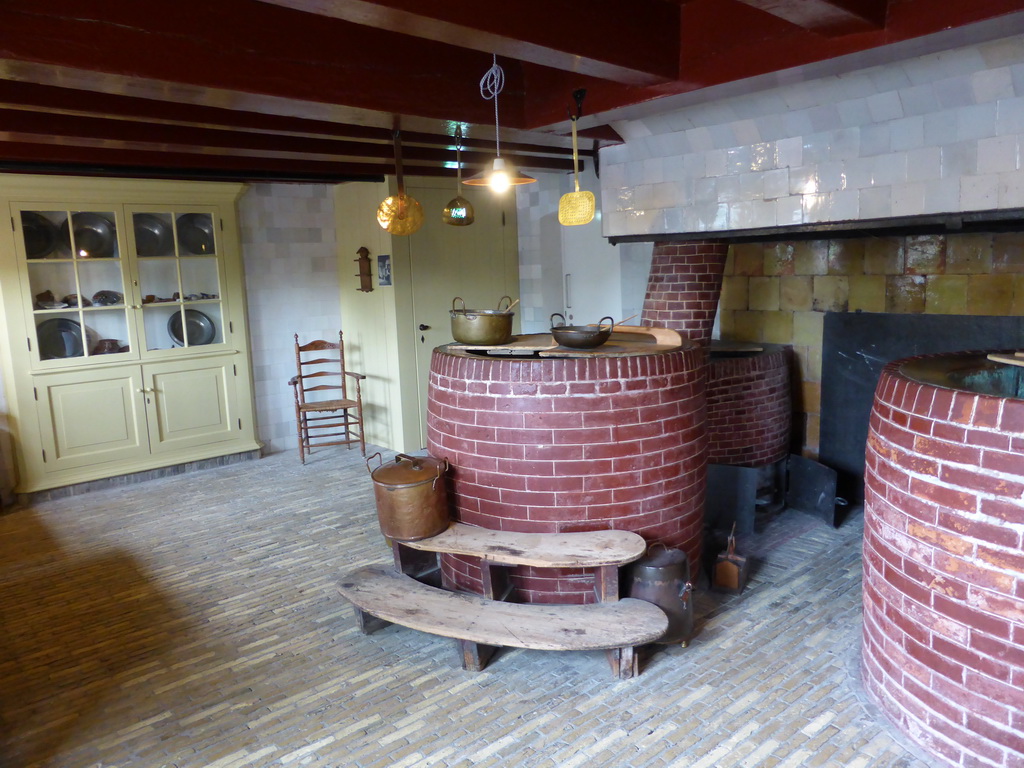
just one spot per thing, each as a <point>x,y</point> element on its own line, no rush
<point>634,45</point>
<point>827,17</point>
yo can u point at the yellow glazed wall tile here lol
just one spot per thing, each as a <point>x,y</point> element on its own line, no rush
<point>810,396</point>
<point>796,293</point>
<point>734,292</point>
<point>807,328</point>
<point>748,259</point>
<point>945,294</point>
<point>747,326</point>
<point>810,257</point>
<point>867,293</point>
<point>726,323</point>
<point>904,294</point>
<point>1008,252</point>
<point>813,430</point>
<point>778,327</point>
<point>846,257</point>
<point>763,293</point>
<point>831,293</point>
<point>968,254</point>
<point>1018,295</point>
<point>778,259</point>
<point>925,255</point>
<point>884,256</point>
<point>730,261</point>
<point>814,358</point>
<point>989,295</point>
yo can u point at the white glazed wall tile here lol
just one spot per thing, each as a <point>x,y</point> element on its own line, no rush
<point>942,195</point>
<point>959,159</point>
<point>924,164</point>
<point>992,85</point>
<point>885,106</point>
<point>908,199</point>
<point>979,192</point>
<point>907,133</point>
<point>775,183</point>
<point>1011,190</point>
<point>976,122</point>
<point>875,203</point>
<point>997,154</point>
<point>789,211</point>
<point>918,100</point>
<point>1010,115</point>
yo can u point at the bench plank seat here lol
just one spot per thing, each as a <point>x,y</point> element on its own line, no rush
<point>400,599</point>
<point>585,549</point>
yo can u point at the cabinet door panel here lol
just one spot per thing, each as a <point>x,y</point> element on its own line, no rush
<point>192,403</point>
<point>91,417</point>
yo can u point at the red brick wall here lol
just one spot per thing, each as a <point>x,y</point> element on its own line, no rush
<point>683,287</point>
<point>589,443</point>
<point>943,651</point>
<point>749,410</point>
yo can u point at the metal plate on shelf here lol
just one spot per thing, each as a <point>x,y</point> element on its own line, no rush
<point>198,326</point>
<point>59,338</point>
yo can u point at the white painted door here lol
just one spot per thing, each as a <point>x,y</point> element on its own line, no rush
<point>478,263</point>
<point>591,279</point>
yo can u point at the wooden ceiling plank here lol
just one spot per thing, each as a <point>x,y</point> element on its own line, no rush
<point>58,126</point>
<point>588,37</point>
<point>828,17</point>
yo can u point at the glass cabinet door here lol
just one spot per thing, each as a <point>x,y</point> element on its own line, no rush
<point>76,276</point>
<point>179,278</point>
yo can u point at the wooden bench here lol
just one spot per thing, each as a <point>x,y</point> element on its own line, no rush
<point>604,551</point>
<point>383,596</point>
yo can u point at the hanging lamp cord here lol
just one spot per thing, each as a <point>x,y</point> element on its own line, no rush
<point>490,86</point>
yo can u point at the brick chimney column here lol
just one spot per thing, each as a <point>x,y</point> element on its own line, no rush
<point>684,286</point>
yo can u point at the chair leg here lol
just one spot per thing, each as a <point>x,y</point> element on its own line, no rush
<point>299,421</point>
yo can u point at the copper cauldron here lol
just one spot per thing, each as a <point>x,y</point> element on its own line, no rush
<point>412,502</point>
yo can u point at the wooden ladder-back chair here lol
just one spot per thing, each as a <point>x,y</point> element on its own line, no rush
<point>323,418</point>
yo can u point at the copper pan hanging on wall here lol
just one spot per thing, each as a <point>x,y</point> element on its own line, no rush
<point>400,214</point>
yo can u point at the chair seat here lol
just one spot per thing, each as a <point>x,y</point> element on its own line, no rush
<point>327,405</point>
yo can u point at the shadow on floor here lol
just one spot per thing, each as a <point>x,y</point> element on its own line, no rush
<point>72,629</point>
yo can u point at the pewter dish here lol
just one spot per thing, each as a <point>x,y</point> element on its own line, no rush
<point>195,233</point>
<point>59,338</point>
<point>199,327</point>
<point>94,235</point>
<point>153,236</point>
<point>40,234</point>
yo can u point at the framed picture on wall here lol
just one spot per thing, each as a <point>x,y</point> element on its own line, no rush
<point>383,269</point>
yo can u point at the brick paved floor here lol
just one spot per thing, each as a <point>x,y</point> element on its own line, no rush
<point>192,621</point>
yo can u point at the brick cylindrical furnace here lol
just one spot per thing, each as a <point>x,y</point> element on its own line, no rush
<point>943,651</point>
<point>569,444</point>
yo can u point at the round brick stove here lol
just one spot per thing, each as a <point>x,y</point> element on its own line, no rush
<point>749,410</point>
<point>943,651</point>
<point>571,444</point>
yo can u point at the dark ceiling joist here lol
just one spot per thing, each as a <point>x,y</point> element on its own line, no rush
<point>58,128</point>
<point>828,17</point>
<point>587,37</point>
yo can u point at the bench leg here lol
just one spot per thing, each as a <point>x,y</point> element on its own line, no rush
<point>495,581</point>
<point>625,662</point>
<point>368,623</point>
<point>421,565</point>
<point>606,583</point>
<point>474,655</point>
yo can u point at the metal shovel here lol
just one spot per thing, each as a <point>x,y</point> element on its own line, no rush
<point>575,208</point>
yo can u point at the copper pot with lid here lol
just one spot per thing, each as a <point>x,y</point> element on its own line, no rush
<point>412,501</point>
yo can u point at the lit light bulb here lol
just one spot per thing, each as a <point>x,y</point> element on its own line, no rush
<point>499,180</point>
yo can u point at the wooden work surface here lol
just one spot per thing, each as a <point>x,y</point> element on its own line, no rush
<point>586,549</point>
<point>400,599</point>
<point>1017,358</point>
<point>625,341</point>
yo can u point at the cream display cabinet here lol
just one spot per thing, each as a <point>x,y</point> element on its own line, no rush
<point>124,311</point>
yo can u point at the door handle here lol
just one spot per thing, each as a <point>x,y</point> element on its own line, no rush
<point>424,327</point>
<point>568,296</point>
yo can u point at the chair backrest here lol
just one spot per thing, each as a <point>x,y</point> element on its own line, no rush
<point>321,368</point>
